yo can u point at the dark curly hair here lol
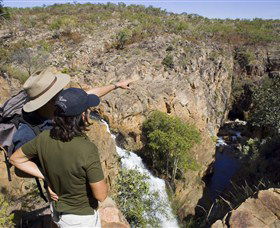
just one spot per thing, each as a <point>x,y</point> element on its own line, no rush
<point>65,128</point>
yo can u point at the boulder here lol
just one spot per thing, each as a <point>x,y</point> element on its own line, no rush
<point>261,210</point>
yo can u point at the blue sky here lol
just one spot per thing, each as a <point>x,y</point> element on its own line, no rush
<point>267,9</point>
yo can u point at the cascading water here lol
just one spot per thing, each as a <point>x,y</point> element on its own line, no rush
<point>131,161</point>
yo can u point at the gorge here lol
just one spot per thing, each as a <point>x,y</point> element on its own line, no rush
<point>197,69</point>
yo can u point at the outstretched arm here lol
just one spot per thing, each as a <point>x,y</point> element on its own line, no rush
<point>101,91</point>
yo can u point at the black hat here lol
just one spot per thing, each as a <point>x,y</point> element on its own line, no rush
<point>74,101</point>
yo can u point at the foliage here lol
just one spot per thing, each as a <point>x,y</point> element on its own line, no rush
<point>168,61</point>
<point>135,200</point>
<point>6,219</point>
<point>244,57</point>
<point>4,12</point>
<point>122,38</point>
<point>266,105</point>
<point>15,72</point>
<point>1,7</point>
<point>146,22</point>
<point>169,141</point>
<point>64,22</point>
<point>31,60</point>
<point>262,158</point>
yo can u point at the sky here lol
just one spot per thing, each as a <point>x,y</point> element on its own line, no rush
<point>249,9</point>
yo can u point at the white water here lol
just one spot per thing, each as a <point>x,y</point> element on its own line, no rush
<point>221,142</point>
<point>131,161</point>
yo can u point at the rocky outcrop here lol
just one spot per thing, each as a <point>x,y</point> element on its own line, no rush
<point>111,217</point>
<point>107,150</point>
<point>262,210</point>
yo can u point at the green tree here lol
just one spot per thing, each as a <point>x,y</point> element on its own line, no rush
<point>169,141</point>
<point>265,112</point>
<point>135,200</point>
<point>1,7</point>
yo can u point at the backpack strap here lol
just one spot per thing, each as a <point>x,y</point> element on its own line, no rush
<point>8,164</point>
<point>40,189</point>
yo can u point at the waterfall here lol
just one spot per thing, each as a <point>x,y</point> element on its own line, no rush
<point>131,161</point>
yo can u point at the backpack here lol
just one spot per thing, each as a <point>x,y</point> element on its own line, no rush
<point>10,118</point>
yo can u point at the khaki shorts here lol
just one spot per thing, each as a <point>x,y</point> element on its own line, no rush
<point>70,220</point>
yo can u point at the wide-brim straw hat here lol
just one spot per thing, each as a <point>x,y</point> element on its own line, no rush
<point>42,86</point>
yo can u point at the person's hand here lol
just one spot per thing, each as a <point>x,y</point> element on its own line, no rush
<point>108,202</point>
<point>125,83</point>
<point>53,196</point>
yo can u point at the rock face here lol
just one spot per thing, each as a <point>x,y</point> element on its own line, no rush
<point>263,210</point>
<point>107,150</point>
<point>198,93</point>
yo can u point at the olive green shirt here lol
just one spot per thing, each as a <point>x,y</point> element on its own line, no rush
<point>69,167</point>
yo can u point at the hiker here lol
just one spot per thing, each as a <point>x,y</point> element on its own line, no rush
<point>42,89</point>
<point>30,112</point>
<point>70,161</point>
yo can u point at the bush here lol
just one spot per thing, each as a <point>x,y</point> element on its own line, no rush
<point>31,60</point>
<point>244,57</point>
<point>169,141</point>
<point>1,7</point>
<point>261,158</point>
<point>6,219</point>
<point>64,22</point>
<point>168,62</point>
<point>266,105</point>
<point>122,38</point>
<point>15,72</point>
<point>135,200</point>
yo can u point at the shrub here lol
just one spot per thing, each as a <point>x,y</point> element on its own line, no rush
<point>4,12</point>
<point>244,57</point>
<point>122,38</point>
<point>31,60</point>
<point>265,112</point>
<point>135,200</point>
<point>6,219</point>
<point>64,22</point>
<point>168,61</point>
<point>15,72</point>
<point>169,141</point>
<point>1,7</point>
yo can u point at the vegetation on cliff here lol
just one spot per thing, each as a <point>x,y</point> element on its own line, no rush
<point>142,22</point>
<point>169,141</point>
<point>265,112</point>
<point>137,203</point>
<point>66,26</point>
